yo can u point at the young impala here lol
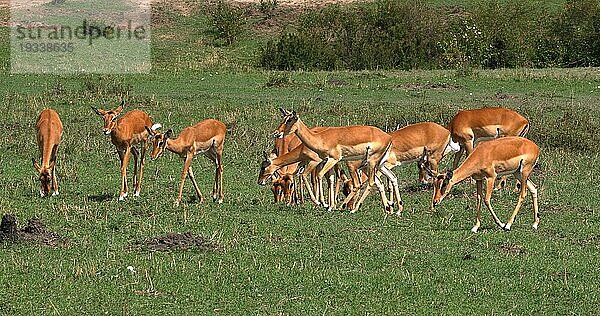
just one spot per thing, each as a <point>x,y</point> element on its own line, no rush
<point>126,132</point>
<point>207,138</point>
<point>344,143</point>
<point>503,156</point>
<point>469,127</point>
<point>49,130</point>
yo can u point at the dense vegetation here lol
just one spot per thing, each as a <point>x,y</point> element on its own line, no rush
<point>397,34</point>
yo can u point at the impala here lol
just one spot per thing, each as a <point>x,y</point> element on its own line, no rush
<point>503,156</point>
<point>344,143</point>
<point>49,131</point>
<point>469,127</point>
<point>206,137</point>
<point>425,142</point>
<point>301,154</point>
<point>126,132</point>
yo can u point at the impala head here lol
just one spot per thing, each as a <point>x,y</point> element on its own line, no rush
<point>45,177</point>
<point>267,170</point>
<point>441,187</point>
<point>110,117</point>
<point>288,125</point>
<point>427,168</point>
<point>158,140</point>
<point>347,184</point>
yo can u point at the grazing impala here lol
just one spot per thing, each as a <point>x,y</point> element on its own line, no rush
<point>206,137</point>
<point>301,154</point>
<point>344,143</point>
<point>425,142</point>
<point>470,127</point>
<point>49,130</point>
<point>284,182</point>
<point>503,156</point>
<point>126,132</point>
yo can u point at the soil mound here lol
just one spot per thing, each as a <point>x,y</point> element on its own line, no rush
<point>35,231</point>
<point>176,241</point>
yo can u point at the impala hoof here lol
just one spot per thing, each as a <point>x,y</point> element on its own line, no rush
<point>55,193</point>
<point>535,226</point>
<point>136,194</point>
<point>507,227</point>
<point>474,229</point>
<point>122,197</point>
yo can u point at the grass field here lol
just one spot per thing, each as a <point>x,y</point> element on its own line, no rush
<point>274,259</point>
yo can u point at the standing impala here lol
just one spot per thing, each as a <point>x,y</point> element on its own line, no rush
<point>49,130</point>
<point>206,137</point>
<point>125,132</point>
<point>469,127</point>
<point>503,156</point>
<point>345,143</point>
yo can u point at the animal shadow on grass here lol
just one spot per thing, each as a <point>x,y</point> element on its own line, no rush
<point>103,197</point>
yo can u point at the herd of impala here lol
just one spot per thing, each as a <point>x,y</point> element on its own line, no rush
<point>368,153</point>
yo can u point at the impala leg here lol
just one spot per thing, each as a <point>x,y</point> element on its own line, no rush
<point>488,197</point>
<point>136,155</point>
<point>393,180</point>
<point>332,186</point>
<point>329,164</point>
<point>479,184</point>
<point>338,183</point>
<point>388,206</point>
<point>200,198</point>
<point>299,189</point>
<point>219,171</point>
<point>186,166</point>
<point>367,188</point>
<point>124,161</point>
<point>457,157</point>
<point>534,195</point>
<point>53,176</point>
<point>522,196</point>
<point>138,188</point>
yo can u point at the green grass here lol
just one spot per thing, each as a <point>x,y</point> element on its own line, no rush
<point>294,260</point>
<point>278,259</point>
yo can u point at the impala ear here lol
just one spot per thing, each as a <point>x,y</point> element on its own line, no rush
<point>265,155</point>
<point>168,134</point>
<point>120,108</point>
<point>283,112</point>
<point>449,175</point>
<point>98,111</point>
<point>294,114</point>
<point>150,132</point>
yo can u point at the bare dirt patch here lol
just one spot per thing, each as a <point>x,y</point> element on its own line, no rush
<point>35,231</point>
<point>176,241</point>
<point>513,249</point>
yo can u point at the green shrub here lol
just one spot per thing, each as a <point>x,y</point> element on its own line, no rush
<point>402,34</point>
<point>227,23</point>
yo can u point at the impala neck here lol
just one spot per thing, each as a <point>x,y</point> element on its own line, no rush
<point>288,158</point>
<point>465,170</point>
<point>308,138</point>
<point>176,146</point>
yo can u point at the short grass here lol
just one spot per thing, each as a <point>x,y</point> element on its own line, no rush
<point>294,260</point>
<point>298,260</point>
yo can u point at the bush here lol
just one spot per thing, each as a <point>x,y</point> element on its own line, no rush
<point>402,34</point>
<point>227,23</point>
